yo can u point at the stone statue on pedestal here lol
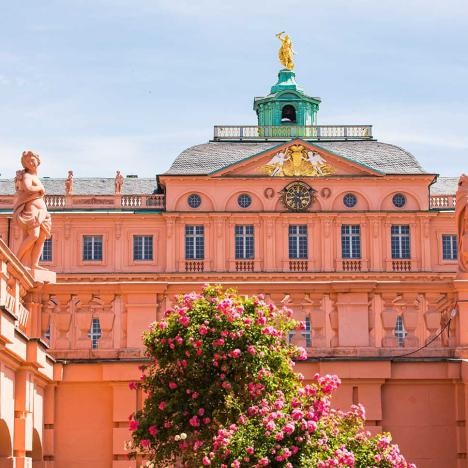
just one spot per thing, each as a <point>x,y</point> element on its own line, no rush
<point>69,183</point>
<point>30,211</point>
<point>461,215</point>
<point>118,183</point>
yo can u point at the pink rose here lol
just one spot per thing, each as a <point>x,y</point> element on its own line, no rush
<point>133,425</point>
<point>235,353</point>
<point>145,443</point>
<point>194,421</point>
<point>184,320</point>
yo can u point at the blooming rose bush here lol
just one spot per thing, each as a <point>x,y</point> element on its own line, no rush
<point>221,391</point>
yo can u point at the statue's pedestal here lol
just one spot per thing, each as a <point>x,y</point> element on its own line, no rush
<point>43,276</point>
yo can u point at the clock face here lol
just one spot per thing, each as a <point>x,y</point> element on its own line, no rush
<point>297,196</point>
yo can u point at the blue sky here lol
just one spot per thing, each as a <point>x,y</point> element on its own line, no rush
<point>96,86</point>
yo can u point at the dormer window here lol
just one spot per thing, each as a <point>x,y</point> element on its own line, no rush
<point>288,114</point>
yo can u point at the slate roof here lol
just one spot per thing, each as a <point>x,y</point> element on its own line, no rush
<point>88,186</point>
<point>213,156</point>
<point>209,157</point>
<point>445,186</point>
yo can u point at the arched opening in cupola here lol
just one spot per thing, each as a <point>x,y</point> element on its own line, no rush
<point>288,114</point>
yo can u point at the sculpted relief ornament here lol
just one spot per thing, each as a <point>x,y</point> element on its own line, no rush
<point>30,211</point>
<point>461,214</point>
<point>297,161</point>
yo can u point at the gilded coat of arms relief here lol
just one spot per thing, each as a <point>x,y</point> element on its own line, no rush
<point>296,161</point>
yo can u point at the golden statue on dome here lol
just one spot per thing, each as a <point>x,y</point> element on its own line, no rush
<point>286,52</point>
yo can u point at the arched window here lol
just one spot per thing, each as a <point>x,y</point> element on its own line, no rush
<point>288,114</point>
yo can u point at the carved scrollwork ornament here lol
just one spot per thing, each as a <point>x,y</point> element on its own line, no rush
<point>325,192</point>
<point>269,193</point>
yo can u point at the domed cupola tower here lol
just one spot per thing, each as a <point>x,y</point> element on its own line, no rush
<point>286,105</point>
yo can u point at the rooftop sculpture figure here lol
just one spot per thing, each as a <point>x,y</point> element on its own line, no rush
<point>118,183</point>
<point>30,211</point>
<point>286,52</point>
<point>69,183</point>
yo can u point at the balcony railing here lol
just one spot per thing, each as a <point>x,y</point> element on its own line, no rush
<point>194,266</point>
<point>245,265</point>
<point>287,132</point>
<point>438,202</point>
<point>298,265</point>
<point>14,281</point>
<point>350,265</point>
<point>401,265</point>
<point>126,202</point>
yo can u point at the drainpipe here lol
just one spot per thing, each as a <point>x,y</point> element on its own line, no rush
<point>8,231</point>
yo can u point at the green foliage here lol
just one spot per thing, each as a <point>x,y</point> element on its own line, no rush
<point>221,391</point>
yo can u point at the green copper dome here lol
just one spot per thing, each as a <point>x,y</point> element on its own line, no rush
<point>286,104</point>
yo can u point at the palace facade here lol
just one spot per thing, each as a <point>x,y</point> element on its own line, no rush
<point>351,233</point>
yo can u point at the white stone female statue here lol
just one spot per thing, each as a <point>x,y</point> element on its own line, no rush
<point>30,211</point>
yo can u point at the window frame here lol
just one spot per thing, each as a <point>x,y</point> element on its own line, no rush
<point>49,242</point>
<point>244,242</point>
<point>193,196</point>
<point>348,196</point>
<point>298,242</point>
<point>198,241</point>
<point>142,252</point>
<point>244,196</point>
<point>95,335</point>
<point>454,247</point>
<point>94,260</point>
<point>399,237</point>
<point>355,248</point>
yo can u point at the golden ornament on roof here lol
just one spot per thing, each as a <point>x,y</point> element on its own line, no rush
<point>286,52</point>
<point>296,160</point>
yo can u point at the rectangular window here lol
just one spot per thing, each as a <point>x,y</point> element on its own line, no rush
<point>399,331</point>
<point>46,255</point>
<point>92,248</point>
<point>307,333</point>
<point>298,241</point>
<point>449,247</point>
<point>350,241</point>
<point>194,242</point>
<point>95,333</point>
<point>400,241</point>
<point>142,247</point>
<point>244,241</point>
